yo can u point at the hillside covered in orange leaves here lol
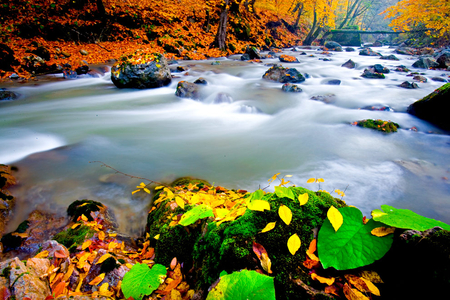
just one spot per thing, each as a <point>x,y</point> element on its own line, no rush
<point>83,32</point>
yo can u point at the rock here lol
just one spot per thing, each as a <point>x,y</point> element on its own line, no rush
<point>409,85</point>
<point>405,51</point>
<point>349,49</point>
<point>84,52</point>
<point>380,125</point>
<point>41,52</point>
<point>7,95</point>
<point>327,98</point>
<point>245,56</point>
<point>425,51</point>
<point>350,64</point>
<point>434,107</point>
<point>425,63</point>
<point>82,70</point>
<point>440,79</point>
<point>370,73</point>
<point>273,54</point>
<point>378,107</point>
<point>65,53</point>
<point>333,46</point>
<point>380,69</point>
<point>401,68</point>
<point>444,60</point>
<point>368,52</point>
<point>253,53</point>
<point>14,76</point>
<point>69,74</point>
<point>291,88</point>
<point>284,75</point>
<point>288,58</point>
<point>141,72</point>
<point>216,63</point>
<point>325,59</point>
<point>187,90</point>
<point>377,43</point>
<point>333,82</point>
<point>420,78</point>
<point>201,80</point>
<point>389,57</point>
<point>222,98</point>
<point>7,58</point>
<point>25,282</point>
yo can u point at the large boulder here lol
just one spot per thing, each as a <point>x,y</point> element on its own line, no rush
<point>7,95</point>
<point>280,74</point>
<point>369,52</point>
<point>426,63</point>
<point>334,46</point>
<point>251,53</point>
<point>350,64</point>
<point>434,108</point>
<point>141,71</point>
<point>187,90</point>
<point>444,60</point>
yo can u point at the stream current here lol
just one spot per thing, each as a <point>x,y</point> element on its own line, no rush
<point>55,131</point>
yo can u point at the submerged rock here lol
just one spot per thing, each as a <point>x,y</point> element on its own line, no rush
<point>401,68</point>
<point>425,63</point>
<point>378,107</point>
<point>291,88</point>
<point>327,98</point>
<point>434,107</point>
<point>350,64</point>
<point>380,125</point>
<point>368,52</point>
<point>222,98</point>
<point>420,78</point>
<point>7,95</point>
<point>333,46</point>
<point>380,69</point>
<point>188,90</point>
<point>370,73</point>
<point>288,58</point>
<point>333,82</point>
<point>409,85</point>
<point>349,49</point>
<point>389,57</point>
<point>141,72</point>
<point>281,74</point>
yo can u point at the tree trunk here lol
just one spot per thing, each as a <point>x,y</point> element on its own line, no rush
<point>100,8</point>
<point>221,35</point>
<point>309,38</point>
<point>299,7</point>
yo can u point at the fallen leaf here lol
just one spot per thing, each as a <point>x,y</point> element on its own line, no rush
<point>61,254</point>
<point>269,227</point>
<point>285,214</point>
<point>86,244</point>
<point>59,289</point>
<point>173,263</point>
<point>103,290</point>
<point>179,201</point>
<point>353,294</point>
<point>332,290</point>
<point>259,205</point>
<point>69,272</point>
<point>371,276</point>
<point>382,231</point>
<point>263,257</point>
<point>303,198</point>
<point>42,254</point>
<point>335,218</point>
<point>97,279</point>
<point>75,225</point>
<point>311,180</point>
<point>103,258</point>
<point>328,281</point>
<point>362,284</point>
<point>309,263</point>
<point>101,235</point>
<point>294,244</point>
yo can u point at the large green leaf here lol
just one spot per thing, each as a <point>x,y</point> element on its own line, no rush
<point>243,285</point>
<point>353,245</point>
<point>282,192</point>
<point>141,281</point>
<point>199,212</point>
<point>405,218</point>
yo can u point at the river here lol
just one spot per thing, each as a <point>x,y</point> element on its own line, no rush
<point>56,130</point>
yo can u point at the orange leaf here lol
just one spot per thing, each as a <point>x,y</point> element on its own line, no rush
<point>97,279</point>
<point>86,244</point>
<point>353,294</point>
<point>382,231</point>
<point>103,258</point>
<point>69,272</point>
<point>59,289</point>
<point>309,263</point>
<point>332,290</point>
<point>328,281</point>
<point>61,254</point>
<point>101,235</point>
<point>42,254</point>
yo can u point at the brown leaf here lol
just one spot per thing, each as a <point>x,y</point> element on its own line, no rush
<point>353,294</point>
<point>61,254</point>
<point>173,263</point>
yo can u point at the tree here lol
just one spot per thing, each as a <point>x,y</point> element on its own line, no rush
<point>221,34</point>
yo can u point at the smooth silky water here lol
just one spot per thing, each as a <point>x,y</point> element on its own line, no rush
<point>55,131</point>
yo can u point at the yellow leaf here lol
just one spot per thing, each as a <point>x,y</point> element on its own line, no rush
<point>156,237</point>
<point>179,201</point>
<point>382,231</point>
<point>220,213</point>
<point>103,258</point>
<point>69,272</point>
<point>353,294</point>
<point>101,235</point>
<point>371,276</point>
<point>320,180</point>
<point>273,177</point>
<point>266,263</point>
<point>335,218</point>
<point>42,254</point>
<point>84,218</point>
<point>86,244</point>
<point>294,243</point>
<point>104,290</point>
<point>97,279</point>
<point>112,246</point>
<point>303,198</point>
<point>328,281</point>
<point>128,265</point>
<point>159,187</point>
<point>285,214</point>
<point>259,205</point>
<point>75,225</point>
<point>269,227</point>
<point>377,213</point>
<point>371,287</point>
<point>288,176</point>
<point>168,193</point>
<point>311,180</point>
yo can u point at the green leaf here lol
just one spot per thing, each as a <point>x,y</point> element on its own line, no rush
<point>243,285</point>
<point>353,245</point>
<point>405,218</point>
<point>282,192</point>
<point>199,212</point>
<point>256,195</point>
<point>141,281</point>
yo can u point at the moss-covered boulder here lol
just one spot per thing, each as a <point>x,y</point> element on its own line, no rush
<point>141,71</point>
<point>280,74</point>
<point>434,108</point>
<point>380,125</point>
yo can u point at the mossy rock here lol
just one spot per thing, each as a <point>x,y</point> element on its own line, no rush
<point>380,125</point>
<point>212,248</point>
<point>72,238</point>
<point>11,241</point>
<point>83,207</point>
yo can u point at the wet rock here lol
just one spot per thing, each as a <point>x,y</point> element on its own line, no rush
<point>216,63</point>
<point>7,95</point>
<point>288,58</point>
<point>245,56</point>
<point>333,82</point>
<point>7,201</point>
<point>7,58</point>
<point>405,51</point>
<point>222,98</point>
<point>14,76</point>
<point>82,70</point>
<point>188,90</point>
<point>434,107</point>
<point>409,85</point>
<point>379,125</point>
<point>377,43</point>
<point>420,78</point>
<point>333,46</point>
<point>70,74</point>
<point>425,63</point>
<point>370,73</point>
<point>444,60</point>
<point>378,107</point>
<point>368,52</point>
<point>25,282</point>
<point>439,79</point>
<point>325,59</point>
<point>273,54</point>
<point>327,98</point>
<point>350,49</point>
<point>291,88</point>
<point>380,69</point>
<point>389,57</point>
<point>201,80</point>
<point>148,73</point>
<point>350,64</point>
<point>284,75</point>
<point>401,68</point>
<point>251,52</point>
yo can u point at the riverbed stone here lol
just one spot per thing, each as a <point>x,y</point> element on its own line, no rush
<point>369,52</point>
<point>327,98</point>
<point>141,71</point>
<point>439,79</point>
<point>333,46</point>
<point>350,64</point>
<point>333,82</point>
<point>25,282</point>
<point>370,73</point>
<point>401,68</point>
<point>291,88</point>
<point>349,49</point>
<point>288,58</point>
<point>420,78</point>
<point>425,63</point>
<point>409,85</point>
<point>281,74</point>
<point>434,107</point>
<point>380,69</point>
<point>7,95</point>
<point>222,98</point>
<point>187,89</point>
<point>444,60</point>
<point>405,51</point>
<point>389,57</point>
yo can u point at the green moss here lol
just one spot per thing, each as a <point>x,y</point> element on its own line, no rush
<point>11,241</point>
<point>443,89</point>
<point>71,238</point>
<point>6,271</point>
<point>380,125</point>
<point>83,207</point>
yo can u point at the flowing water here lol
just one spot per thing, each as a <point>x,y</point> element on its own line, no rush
<point>55,131</point>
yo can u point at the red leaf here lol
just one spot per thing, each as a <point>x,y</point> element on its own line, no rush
<point>4,293</point>
<point>258,249</point>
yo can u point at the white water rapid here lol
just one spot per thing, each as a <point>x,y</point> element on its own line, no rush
<point>154,134</point>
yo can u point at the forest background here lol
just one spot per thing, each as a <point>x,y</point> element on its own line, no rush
<point>39,36</point>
